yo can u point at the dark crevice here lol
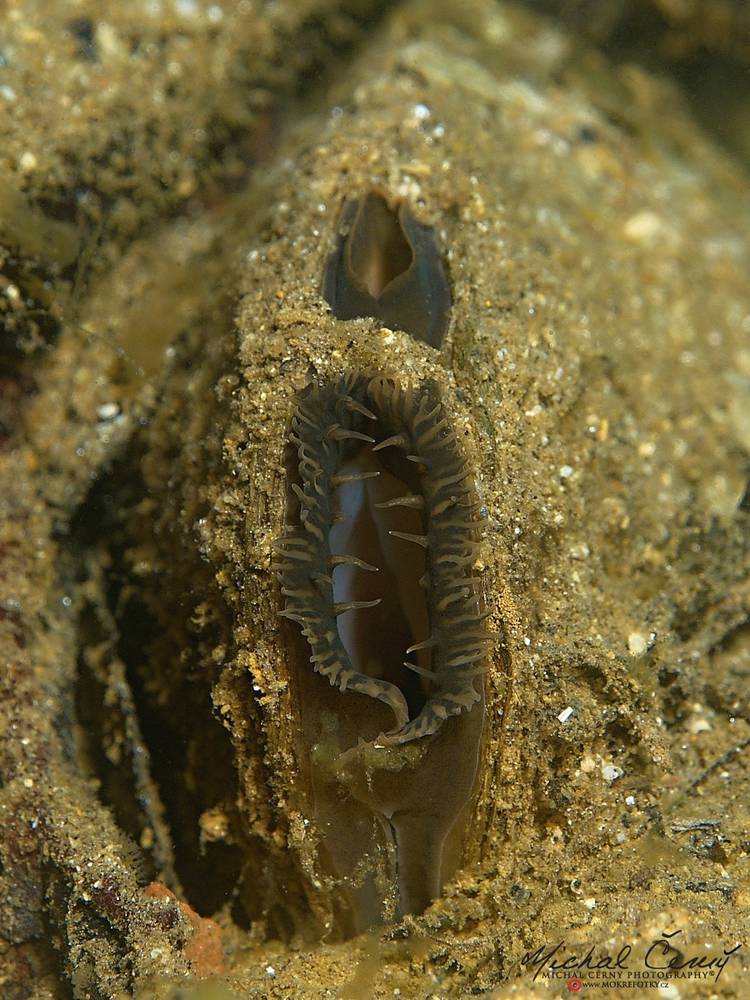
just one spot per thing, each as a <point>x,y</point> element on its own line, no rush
<point>191,761</point>
<point>148,753</point>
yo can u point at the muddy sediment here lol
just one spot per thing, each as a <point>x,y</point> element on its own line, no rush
<point>162,818</point>
<point>115,119</point>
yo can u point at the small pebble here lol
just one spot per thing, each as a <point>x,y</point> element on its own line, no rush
<point>643,227</point>
<point>565,714</point>
<point>107,411</point>
<point>108,42</point>
<point>610,772</point>
<point>637,644</point>
<point>566,471</point>
<point>27,162</point>
<point>588,764</point>
<point>698,724</point>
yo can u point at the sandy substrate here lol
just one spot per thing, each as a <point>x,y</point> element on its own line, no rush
<point>160,822</point>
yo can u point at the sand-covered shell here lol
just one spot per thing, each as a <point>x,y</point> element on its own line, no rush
<point>594,284</point>
<point>544,384</point>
